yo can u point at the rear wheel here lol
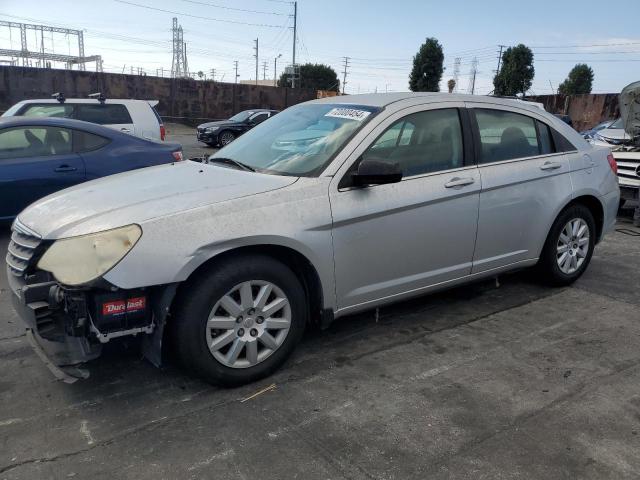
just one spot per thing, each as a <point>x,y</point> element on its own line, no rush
<point>569,246</point>
<point>226,138</point>
<point>240,320</point>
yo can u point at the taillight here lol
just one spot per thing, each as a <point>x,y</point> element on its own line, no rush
<point>612,163</point>
<point>178,156</point>
<point>162,132</point>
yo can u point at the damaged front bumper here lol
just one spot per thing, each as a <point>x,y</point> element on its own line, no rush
<point>68,327</point>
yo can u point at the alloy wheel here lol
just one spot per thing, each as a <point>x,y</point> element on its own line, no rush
<point>226,138</point>
<point>248,324</point>
<point>573,246</point>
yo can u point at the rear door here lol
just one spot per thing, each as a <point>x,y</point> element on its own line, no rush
<point>524,180</point>
<point>34,162</point>
<point>113,115</point>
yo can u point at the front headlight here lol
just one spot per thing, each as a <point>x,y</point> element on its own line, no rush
<point>211,129</point>
<point>78,260</point>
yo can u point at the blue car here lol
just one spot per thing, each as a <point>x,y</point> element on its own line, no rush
<point>39,156</point>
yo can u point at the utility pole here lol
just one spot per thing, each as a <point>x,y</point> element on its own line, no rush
<point>256,55</point>
<point>213,74</point>
<point>275,70</point>
<point>264,70</point>
<point>456,73</point>
<point>236,64</point>
<point>295,32</point>
<point>344,73</point>
<point>472,75</point>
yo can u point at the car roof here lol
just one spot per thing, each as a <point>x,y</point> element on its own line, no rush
<point>7,122</point>
<point>114,101</point>
<point>382,100</point>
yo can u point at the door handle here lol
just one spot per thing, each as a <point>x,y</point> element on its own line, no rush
<point>550,166</point>
<point>125,130</point>
<point>459,182</point>
<point>65,168</point>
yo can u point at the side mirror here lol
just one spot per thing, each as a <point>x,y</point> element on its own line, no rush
<point>376,172</point>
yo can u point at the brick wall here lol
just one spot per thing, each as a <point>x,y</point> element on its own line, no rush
<point>187,100</point>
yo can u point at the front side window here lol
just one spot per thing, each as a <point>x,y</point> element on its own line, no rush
<point>49,110</point>
<point>24,142</point>
<point>301,141</point>
<point>103,114</point>
<point>506,135</point>
<point>259,118</point>
<point>422,142</point>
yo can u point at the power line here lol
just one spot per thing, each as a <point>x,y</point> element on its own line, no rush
<point>232,8</point>
<point>148,7</point>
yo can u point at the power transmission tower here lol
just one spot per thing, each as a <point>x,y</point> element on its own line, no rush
<point>236,65</point>
<point>212,72</point>
<point>499,58</point>
<point>472,75</point>
<point>456,73</point>
<point>264,70</point>
<point>295,32</point>
<point>179,63</point>
<point>344,73</point>
<point>256,55</point>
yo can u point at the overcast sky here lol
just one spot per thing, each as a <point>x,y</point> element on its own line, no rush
<point>380,37</point>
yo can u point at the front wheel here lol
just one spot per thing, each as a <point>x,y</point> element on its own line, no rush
<point>226,138</point>
<point>569,246</point>
<point>240,320</point>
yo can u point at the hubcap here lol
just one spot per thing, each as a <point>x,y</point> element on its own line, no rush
<point>248,324</point>
<point>573,246</point>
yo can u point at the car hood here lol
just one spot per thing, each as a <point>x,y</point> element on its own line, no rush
<point>614,134</point>
<point>630,108</point>
<point>221,123</point>
<point>140,195</point>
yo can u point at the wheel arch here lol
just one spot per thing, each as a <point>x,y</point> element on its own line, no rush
<point>596,208</point>
<point>303,268</point>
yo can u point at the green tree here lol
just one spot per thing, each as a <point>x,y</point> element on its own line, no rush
<point>314,75</point>
<point>580,80</point>
<point>516,72</point>
<point>427,67</point>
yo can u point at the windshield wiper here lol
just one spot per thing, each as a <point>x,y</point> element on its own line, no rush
<point>231,161</point>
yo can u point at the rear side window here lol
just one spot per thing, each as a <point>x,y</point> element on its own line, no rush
<point>51,110</point>
<point>86,142</point>
<point>561,143</point>
<point>506,135</point>
<point>107,114</point>
<point>155,112</point>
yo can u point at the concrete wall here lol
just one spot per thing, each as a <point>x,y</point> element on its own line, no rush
<point>586,111</point>
<point>187,100</point>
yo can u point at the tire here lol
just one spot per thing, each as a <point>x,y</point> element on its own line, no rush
<point>554,267</point>
<point>258,349</point>
<point>226,137</point>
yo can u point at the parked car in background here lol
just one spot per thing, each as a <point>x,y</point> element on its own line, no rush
<point>226,131</point>
<point>39,156</point>
<point>137,117</point>
<point>385,203</point>
<point>612,136</point>
<point>587,134</point>
<point>565,118</point>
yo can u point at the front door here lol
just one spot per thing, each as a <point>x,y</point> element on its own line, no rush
<point>34,162</point>
<point>393,240</point>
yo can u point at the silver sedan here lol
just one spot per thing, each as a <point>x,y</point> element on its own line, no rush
<point>330,207</point>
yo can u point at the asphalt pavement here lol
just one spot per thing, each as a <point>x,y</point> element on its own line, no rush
<point>499,379</point>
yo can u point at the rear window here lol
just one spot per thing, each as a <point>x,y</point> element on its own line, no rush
<point>103,114</point>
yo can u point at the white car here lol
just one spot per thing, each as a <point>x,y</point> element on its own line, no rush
<point>137,117</point>
<point>612,136</point>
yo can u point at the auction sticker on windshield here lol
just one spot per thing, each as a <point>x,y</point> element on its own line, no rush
<point>348,113</point>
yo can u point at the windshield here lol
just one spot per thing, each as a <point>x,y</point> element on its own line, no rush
<point>300,141</point>
<point>617,124</point>
<point>242,116</point>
